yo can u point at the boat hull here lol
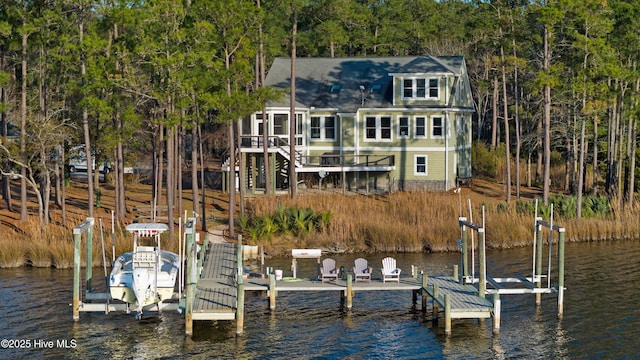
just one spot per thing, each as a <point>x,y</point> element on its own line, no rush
<point>143,285</point>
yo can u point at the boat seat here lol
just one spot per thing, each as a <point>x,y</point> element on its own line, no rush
<point>144,259</point>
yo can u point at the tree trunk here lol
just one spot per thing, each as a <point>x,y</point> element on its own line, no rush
<point>179,159</point>
<point>632,172</point>
<point>293,181</point>
<point>202,181</point>
<point>516,94</point>
<point>265,122</point>
<point>547,119</point>
<point>194,169</point>
<point>85,130</point>
<point>23,120</point>
<point>505,107</point>
<point>6,181</point>
<point>171,157</point>
<point>594,188</point>
<point>581,168</point>
<point>242,169</point>
<point>494,133</point>
<point>232,179</point>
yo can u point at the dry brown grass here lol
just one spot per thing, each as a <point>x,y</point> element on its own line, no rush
<point>421,221</point>
<point>400,222</point>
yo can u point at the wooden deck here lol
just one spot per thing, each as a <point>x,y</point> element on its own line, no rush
<point>464,299</point>
<point>335,285</point>
<point>216,294</point>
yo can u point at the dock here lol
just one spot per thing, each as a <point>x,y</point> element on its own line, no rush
<point>216,296</point>
<point>215,283</point>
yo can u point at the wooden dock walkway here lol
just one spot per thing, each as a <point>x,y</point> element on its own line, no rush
<point>216,292</point>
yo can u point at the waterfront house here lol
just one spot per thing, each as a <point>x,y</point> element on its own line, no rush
<point>374,124</point>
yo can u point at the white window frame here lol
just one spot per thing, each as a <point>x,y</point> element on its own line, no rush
<point>416,169</point>
<point>322,128</point>
<point>431,84</point>
<point>378,128</point>
<point>424,126</point>
<point>432,127</point>
<point>408,127</point>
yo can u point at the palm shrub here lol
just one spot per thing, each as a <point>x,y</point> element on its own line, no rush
<point>596,206</point>
<point>284,221</point>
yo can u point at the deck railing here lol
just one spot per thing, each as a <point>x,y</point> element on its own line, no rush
<point>328,159</point>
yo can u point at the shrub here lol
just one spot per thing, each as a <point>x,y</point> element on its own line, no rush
<point>484,160</point>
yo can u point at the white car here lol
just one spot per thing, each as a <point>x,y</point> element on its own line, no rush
<point>78,161</point>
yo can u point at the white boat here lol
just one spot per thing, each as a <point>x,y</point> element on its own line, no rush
<point>147,275</point>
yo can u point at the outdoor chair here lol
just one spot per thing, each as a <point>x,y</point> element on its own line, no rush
<point>361,270</point>
<point>389,270</point>
<point>328,270</point>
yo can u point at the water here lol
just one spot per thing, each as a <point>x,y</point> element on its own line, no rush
<point>601,318</point>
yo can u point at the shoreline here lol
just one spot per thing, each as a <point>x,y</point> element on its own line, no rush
<point>217,236</point>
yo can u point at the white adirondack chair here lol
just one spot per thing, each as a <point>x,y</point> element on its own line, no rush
<point>328,270</point>
<point>389,270</point>
<point>361,270</point>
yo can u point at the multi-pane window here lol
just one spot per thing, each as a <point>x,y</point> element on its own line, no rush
<point>330,127</point>
<point>420,88</point>
<point>315,127</point>
<point>407,85</point>
<point>385,128</point>
<point>437,127</point>
<point>420,127</point>
<point>323,127</point>
<point>420,165</point>
<point>434,92</point>
<point>403,127</point>
<point>377,127</point>
<point>280,124</point>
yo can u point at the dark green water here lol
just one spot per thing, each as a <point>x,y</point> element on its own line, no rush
<point>601,318</point>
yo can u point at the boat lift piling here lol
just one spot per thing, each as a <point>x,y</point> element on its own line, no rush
<point>192,273</point>
<point>537,275</point>
<point>85,228</point>
<point>519,284</point>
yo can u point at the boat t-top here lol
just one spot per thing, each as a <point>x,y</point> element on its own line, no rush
<point>147,275</point>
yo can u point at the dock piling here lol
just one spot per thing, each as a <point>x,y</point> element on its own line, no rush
<point>239,291</point>
<point>192,274</point>
<point>424,293</point>
<point>349,291</point>
<point>272,292</point>
<point>85,228</point>
<point>447,314</point>
<point>496,313</point>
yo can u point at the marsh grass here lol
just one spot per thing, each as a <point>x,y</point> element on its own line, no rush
<point>420,221</point>
<point>53,246</point>
<point>399,222</point>
<point>12,254</point>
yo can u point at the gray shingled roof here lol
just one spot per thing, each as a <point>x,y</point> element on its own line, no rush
<point>358,79</point>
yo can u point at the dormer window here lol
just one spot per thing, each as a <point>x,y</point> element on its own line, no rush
<point>335,88</point>
<point>420,88</point>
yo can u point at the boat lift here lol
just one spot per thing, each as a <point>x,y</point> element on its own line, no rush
<point>93,300</point>
<point>518,284</point>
